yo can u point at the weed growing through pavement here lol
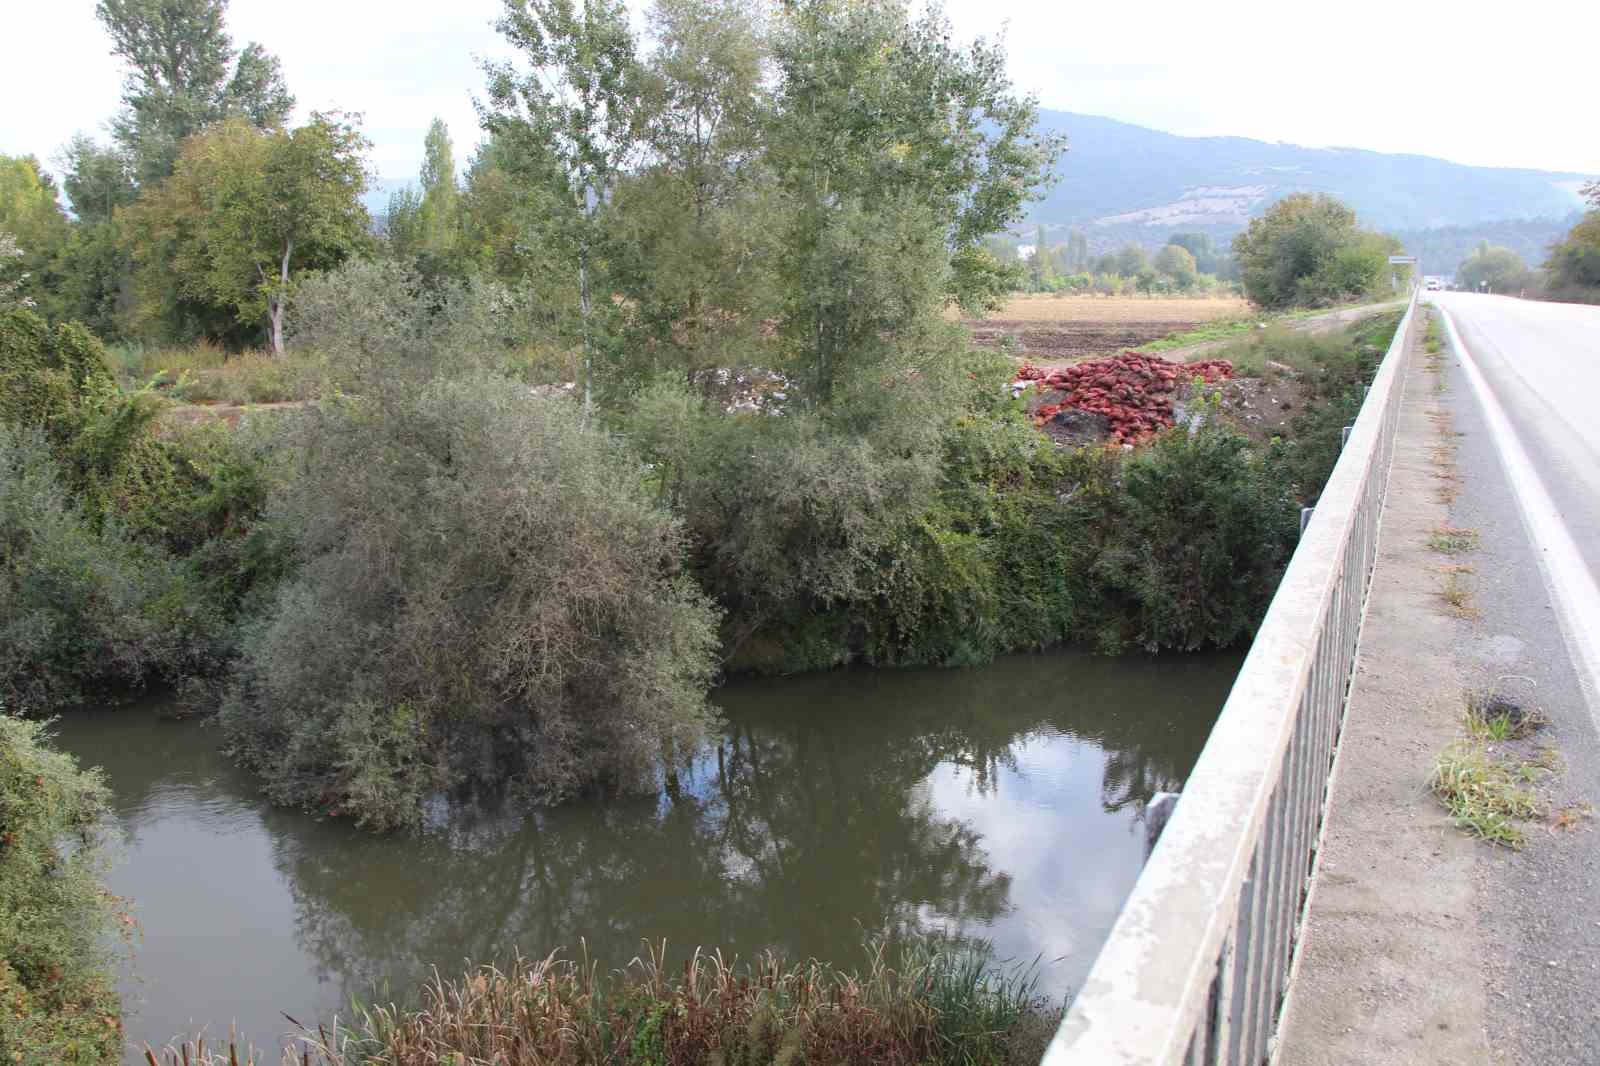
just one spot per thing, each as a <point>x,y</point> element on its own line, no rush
<point>1485,796</point>
<point>1447,540</point>
<point>1492,718</point>
<point>1570,818</point>
<point>1549,759</point>
<point>1457,591</point>
<point>1433,345</point>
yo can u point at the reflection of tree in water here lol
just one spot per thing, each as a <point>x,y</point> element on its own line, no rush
<point>1133,776</point>
<point>794,838</point>
<point>805,822</point>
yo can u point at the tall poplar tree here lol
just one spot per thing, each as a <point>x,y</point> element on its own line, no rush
<point>184,74</point>
<point>902,152</point>
<point>567,123</point>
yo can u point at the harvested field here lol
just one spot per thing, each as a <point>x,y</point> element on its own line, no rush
<point>1053,329</point>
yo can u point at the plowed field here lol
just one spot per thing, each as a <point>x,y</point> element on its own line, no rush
<point>1048,330</point>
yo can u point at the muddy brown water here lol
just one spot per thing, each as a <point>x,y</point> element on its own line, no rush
<point>1003,803</point>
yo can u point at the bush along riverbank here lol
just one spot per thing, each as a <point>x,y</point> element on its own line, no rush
<point>922,1003</point>
<point>438,578</point>
<point>58,999</point>
<point>442,579</point>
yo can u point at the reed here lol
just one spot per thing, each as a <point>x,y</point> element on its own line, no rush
<point>922,1001</point>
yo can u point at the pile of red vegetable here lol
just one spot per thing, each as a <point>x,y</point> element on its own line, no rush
<point>1133,390</point>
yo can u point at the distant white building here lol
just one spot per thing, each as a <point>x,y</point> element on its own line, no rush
<point>1025,251</point>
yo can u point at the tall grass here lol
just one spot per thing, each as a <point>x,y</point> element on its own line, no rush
<point>928,1001</point>
<point>205,373</point>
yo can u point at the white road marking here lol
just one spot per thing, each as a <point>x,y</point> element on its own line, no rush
<point>1572,586</point>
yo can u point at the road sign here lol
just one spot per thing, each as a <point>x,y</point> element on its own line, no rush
<point>1402,259</point>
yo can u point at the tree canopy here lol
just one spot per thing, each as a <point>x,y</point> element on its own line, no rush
<point>244,210</point>
<point>1500,269</point>
<point>183,75</point>
<point>1308,250</point>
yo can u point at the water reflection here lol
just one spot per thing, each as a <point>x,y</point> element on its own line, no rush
<point>999,803</point>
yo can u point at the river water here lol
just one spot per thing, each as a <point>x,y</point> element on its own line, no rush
<point>1002,803</point>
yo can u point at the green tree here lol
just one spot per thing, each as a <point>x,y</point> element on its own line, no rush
<point>245,209</point>
<point>91,268</point>
<point>1077,251</point>
<point>569,128</point>
<point>1178,264</point>
<point>700,221</point>
<point>900,152</point>
<point>440,193</point>
<point>424,224</point>
<point>96,179</point>
<point>183,75</point>
<point>1207,259</point>
<point>1041,267</point>
<point>1574,261</point>
<point>1307,249</point>
<point>1130,260</point>
<point>31,213</point>
<point>1499,269</point>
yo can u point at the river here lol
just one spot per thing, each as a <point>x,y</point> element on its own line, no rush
<point>1002,803</point>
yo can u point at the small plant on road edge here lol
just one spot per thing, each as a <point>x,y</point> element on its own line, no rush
<point>1457,591</point>
<point>1484,796</point>
<point>1570,818</point>
<point>1448,540</point>
<point>1494,719</point>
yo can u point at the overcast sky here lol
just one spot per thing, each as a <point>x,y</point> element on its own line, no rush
<point>1501,85</point>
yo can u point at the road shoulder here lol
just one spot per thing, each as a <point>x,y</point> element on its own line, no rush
<point>1541,905</point>
<point>1390,967</point>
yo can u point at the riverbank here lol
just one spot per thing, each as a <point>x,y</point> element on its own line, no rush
<point>355,583</point>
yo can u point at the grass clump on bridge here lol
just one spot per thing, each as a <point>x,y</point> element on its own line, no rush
<point>1485,796</point>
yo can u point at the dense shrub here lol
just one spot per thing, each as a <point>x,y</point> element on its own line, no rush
<point>122,547</point>
<point>1333,370</point>
<point>826,547</point>
<point>1203,535</point>
<point>379,320</point>
<point>82,603</point>
<point>485,594</point>
<point>48,373</point>
<point>58,1003</point>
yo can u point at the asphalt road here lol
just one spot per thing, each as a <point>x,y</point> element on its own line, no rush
<point>1523,389</point>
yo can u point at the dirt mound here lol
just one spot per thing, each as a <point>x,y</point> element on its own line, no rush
<point>1133,392</point>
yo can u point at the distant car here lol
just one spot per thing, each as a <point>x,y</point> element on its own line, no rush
<point>1433,285</point>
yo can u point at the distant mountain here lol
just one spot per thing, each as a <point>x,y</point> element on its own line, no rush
<point>1123,182</point>
<point>1443,248</point>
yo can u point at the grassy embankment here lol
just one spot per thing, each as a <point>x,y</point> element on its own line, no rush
<point>1226,327</point>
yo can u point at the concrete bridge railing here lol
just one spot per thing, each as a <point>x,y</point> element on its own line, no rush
<point>1196,968</point>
